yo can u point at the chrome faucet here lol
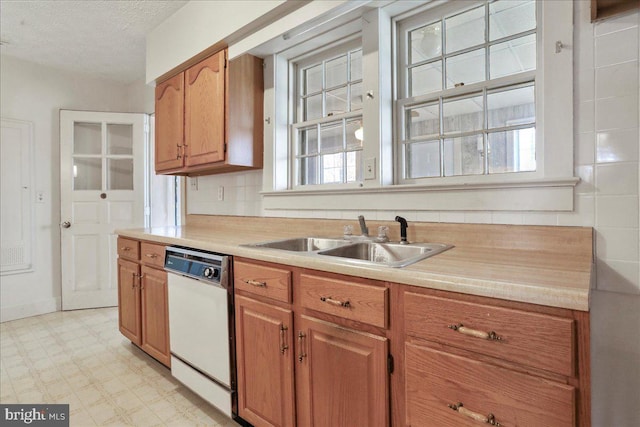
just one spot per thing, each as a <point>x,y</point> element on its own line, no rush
<point>363,226</point>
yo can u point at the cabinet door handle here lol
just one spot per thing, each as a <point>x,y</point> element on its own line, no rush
<point>490,336</point>
<point>337,303</point>
<point>301,353</point>
<point>151,255</point>
<point>178,156</point>
<point>486,419</point>
<point>256,283</point>
<point>283,346</point>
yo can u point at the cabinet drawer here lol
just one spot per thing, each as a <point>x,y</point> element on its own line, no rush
<point>536,340</point>
<point>152,254</point>
<point>362,303</point>
<point>435,380</point>
<point>128,248</point>
<point>270,282</point>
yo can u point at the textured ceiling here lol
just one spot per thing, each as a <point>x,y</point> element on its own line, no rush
<point>105,38</point>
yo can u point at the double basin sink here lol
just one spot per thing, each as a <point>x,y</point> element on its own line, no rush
<point>358,251</point>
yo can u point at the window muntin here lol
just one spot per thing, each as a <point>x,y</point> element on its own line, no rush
<point>467,87</point>
<point>328,131</point>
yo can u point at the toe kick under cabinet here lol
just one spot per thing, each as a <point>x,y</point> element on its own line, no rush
<point>323,349</point>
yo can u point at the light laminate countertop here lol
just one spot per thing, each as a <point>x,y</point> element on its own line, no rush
<point>517,275</point>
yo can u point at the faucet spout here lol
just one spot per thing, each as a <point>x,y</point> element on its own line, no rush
<point>403,230</point>
<point>363,226</point>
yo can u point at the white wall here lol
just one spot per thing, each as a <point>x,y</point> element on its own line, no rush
<point>34,93</point>
<point>606,141</point>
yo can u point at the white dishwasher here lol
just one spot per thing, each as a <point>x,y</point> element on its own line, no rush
<point>201,324</point>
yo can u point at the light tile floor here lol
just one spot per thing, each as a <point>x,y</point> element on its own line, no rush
<point>80,358</point>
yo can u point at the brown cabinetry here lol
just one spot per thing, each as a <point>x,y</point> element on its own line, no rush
<point>209,117</point>
<point>142,297</point>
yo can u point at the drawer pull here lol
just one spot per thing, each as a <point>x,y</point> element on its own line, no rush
<point>337,303</point>
<point>256,283</point>
<point>491,336</point>
<point>301,353</point>
<point>125,248</point>
<point>151,255</point>
<point>283,346</point>
<point>488,419</point>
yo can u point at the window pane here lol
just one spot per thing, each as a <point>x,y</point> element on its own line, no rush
<point>512,151</point>
<point>312,80</point>
<point>425,43</point>
<point>423,159</point>
<point>463,115</point>
<point>354,166</point>
<point>513,56</point>
<point>426,78</point>
<point>336,71</point>
<point>331,137</point>
<point>332,168</point>
<point>511,107</point>
<point>336,101</point>
<point>356,65</point>
<point>354,134</point>
<point>423,120</point>
<point>511,17</point>
<point>308,141</point>
<point>308,170</point>
<point>120,174</point>
<point>466,68</point>
<point>120,139</point>
<point>356,97</point>
<point>465,30</point>
<point>464,156</point>
<point>312,107</point>
<point>87,138</point>
<point>87,174</point>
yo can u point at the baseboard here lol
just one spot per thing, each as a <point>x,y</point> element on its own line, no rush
<point>32,309</point>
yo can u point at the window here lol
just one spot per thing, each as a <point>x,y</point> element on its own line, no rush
<point>466,101</point>
<point>327,131</point>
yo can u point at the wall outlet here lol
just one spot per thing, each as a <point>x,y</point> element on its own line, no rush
<point>40,197</point>
<point>370,168</point>
<point>220,193</point>
<point>193,182</point>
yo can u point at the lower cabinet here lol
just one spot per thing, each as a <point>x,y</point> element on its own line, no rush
<point>264,336</point>
<point>155,314</point>
<point>341,376</point>
<point>129,315</point>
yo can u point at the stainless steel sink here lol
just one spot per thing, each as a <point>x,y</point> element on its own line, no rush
<point>388,254</point>
<point>303,244</point>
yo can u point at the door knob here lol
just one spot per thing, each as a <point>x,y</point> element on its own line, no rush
<point>66,224</point>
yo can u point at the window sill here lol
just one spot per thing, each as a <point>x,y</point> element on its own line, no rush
<point>550,194</point>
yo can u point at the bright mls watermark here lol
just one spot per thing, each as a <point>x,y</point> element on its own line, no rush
<point>34,415</point>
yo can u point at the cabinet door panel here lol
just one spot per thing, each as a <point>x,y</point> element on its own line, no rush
<point>129,319</point>
<point>343,378</point>
<point>265,366</point>
<point>169,130</point>
<point>435,379</point>
<point>155,315</point>
<point>205,111</point>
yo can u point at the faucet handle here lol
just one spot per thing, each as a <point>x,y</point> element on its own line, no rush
<point>382,234</point>
<point>347,230</point>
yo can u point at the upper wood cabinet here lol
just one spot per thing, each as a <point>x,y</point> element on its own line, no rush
<point>209,117</point>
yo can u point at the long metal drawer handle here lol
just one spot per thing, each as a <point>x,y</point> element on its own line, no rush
<point>491,336</point>
<point>256,283</point>
<point>283,346</point>
<point>487,419</point>
<point>301,353</point>
<point>125,248</point>
<point>151,255</point>
<point>338,303</point>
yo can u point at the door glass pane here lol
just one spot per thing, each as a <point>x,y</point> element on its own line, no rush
<point>511,17</point>
<point>463,115</point>
<point>87,138</point>
<point>426,78</point>
<point>466,68</point>
<point>511,107</point>
<point>513,56</point>
<point>423,121</point>
<point>336,101</point>
<point>464,156</point>
<point>512,151</point>
<point>331,137</point>
<point>87,174</point>
<point>423,159</point>
<point>425,43</point>
<point>120,139</point>
<point>336,71</point>
<point>465,30</point>
<point>312,80</point>
<point>120,173</point>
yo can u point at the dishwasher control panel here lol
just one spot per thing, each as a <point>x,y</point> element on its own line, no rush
<point>208,267</point>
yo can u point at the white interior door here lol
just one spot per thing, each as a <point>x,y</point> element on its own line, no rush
<point>102,158</point>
